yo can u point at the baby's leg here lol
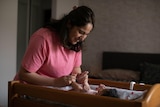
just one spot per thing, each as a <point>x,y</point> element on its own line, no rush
<point>86,86</point>
<point>76,86</point>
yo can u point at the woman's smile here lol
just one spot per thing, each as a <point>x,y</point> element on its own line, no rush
<point>78,34</point>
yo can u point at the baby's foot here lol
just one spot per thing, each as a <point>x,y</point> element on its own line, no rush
<point>86,87</point>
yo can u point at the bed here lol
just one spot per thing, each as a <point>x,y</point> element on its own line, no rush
<point>59,98</point>
<point>129,66</point>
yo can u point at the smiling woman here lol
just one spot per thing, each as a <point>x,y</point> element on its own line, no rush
<point>54,53</point>
<point>79,34</point>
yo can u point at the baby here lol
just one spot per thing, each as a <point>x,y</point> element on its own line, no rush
<point>85,87</point>
<point>120,93</point>
<point>102,90</point>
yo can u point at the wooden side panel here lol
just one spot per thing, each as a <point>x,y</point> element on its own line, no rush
<point>16,90</point>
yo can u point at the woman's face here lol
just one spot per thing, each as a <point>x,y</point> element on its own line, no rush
<point>77,34</point>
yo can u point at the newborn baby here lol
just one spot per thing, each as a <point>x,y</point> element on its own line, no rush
<point>85,87</point>
<point>102,90</point>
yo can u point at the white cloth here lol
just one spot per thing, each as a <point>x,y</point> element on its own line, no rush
<point>122,93</point>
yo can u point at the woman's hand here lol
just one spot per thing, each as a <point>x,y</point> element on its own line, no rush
<point>65,80</point>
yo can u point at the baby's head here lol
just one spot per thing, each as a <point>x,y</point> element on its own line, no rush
<point>109,92</point>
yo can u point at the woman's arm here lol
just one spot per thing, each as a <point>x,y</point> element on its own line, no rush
<point>76,70</point>
<point>34,78</point>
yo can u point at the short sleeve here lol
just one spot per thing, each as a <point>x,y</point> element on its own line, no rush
<point>35,54</point>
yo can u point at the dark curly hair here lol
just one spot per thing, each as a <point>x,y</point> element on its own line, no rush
<point>80,16</point>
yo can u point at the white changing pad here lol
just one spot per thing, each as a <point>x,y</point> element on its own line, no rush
<point>122,93</point>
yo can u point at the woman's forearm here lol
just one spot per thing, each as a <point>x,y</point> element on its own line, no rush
<point>37,79</point>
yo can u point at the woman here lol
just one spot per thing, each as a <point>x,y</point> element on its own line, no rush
<point>54,53</point>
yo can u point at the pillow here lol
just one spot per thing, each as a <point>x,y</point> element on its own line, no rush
<point>150,73</point>
<point>117,75</point>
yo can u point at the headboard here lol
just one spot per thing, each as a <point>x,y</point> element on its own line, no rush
<point>127,60</point>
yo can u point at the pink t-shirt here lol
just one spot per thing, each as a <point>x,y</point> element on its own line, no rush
<point>46,55</point>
